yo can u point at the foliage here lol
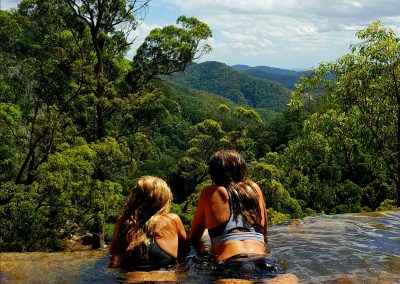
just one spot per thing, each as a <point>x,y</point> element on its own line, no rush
<point>354,144</point>
<point>229,131</point>
<point>386,205</point>
<point>79,123</point>
<point>275,217</point>
<point>240,88</point>
<point>74,125</point>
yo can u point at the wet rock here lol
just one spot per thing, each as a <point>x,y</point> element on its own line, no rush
<point>295,223</point>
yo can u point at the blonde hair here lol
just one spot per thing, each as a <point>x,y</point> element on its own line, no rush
<point>149,200</point>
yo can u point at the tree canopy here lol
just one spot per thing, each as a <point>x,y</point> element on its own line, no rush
<point>80,123</point>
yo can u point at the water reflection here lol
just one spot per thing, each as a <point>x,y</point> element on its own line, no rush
<point>330,249</point>
<point>343,248</point>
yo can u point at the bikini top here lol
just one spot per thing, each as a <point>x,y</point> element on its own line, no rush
<point>155,258</point>
<point>223,233</point>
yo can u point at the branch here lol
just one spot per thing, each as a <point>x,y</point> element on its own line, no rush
<point>75,8</point>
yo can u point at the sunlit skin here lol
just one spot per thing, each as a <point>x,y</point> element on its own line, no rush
<point>169,234</point>
<point>213,210</point>
<point>149,202</point>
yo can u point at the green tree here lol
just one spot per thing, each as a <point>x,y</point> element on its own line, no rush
<point>109,24</point>
<point>65,76</point>
<point>364,86</point>
<point>231,131</point>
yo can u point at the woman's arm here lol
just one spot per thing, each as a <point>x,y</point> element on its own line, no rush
<point>116,258</point>
<point>199,221</point>
<point>183,243</point>
<point>265,222</point>
<point>264,218</point>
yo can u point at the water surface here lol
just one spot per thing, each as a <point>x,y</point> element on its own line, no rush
<point>349,248</point>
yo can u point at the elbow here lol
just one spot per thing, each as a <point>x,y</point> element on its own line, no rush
<point>115,261</point>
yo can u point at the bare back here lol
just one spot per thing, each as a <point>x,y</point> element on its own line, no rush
<point>214,210</point>
<point>169,234</point>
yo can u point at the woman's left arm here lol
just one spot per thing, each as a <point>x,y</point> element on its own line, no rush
<point>264,218</point>
<point>183,244</point>
<point>116,258</point>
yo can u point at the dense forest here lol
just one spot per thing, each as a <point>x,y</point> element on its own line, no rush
<point>79,123</point>
<point>240,88</point>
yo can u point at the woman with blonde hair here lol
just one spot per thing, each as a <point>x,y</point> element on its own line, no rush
<point>146,235</point>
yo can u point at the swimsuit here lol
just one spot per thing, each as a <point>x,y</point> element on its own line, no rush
<point>156,258</point>
<point>249,266</point>
<point>223,233</point>
<point>241,266</point>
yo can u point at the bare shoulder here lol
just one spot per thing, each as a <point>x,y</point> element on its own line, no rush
<point>214,190</point>
<point>168,223</point>
<point>206,191</point>
<point>205,195</point>
<point>174,217</point>
<point>222,193</point>
<point>171,221</point>
<point>256,187</point>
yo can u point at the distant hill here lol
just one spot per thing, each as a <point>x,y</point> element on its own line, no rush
<point>286,77</point>
<point>242,89</point>
<point>195,105</point>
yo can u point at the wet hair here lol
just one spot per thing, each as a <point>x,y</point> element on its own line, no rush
<point>149,200</point>
<point>228,168</point>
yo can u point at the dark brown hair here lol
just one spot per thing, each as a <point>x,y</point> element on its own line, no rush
<point>228,168</point>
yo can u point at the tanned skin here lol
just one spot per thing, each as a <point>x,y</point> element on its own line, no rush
<point>212,211</point>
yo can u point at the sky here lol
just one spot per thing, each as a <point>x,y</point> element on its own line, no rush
<point>290,34</point>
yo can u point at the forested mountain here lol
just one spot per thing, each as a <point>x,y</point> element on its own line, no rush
<point>223,80</point>
<point>80,123</point>
<point>194,105</point>
<point>286,77</point>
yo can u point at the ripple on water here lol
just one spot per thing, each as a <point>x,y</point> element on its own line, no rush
<point>331,249</point>
<point>321,248</point>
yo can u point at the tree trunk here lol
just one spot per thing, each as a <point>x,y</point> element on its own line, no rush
<point>100,131</point>
<point>98,232</point>
<point>23,167</point>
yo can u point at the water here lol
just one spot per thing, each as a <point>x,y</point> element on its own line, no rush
<point>342,248</point>
<point>348,248</point>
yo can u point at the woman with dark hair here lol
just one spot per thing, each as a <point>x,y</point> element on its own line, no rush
<point>146,236</point>
<point>233,211</point>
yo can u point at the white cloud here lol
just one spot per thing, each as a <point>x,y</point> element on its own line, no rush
<point>8,4</point>
<point>278,26</point>
<point>238,37</point>
<point>265,43</point>
<point>264,31</point>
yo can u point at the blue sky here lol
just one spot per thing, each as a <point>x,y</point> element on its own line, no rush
<point>292,34</point>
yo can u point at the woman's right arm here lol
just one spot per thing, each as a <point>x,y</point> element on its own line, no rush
<point>199,220</point>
